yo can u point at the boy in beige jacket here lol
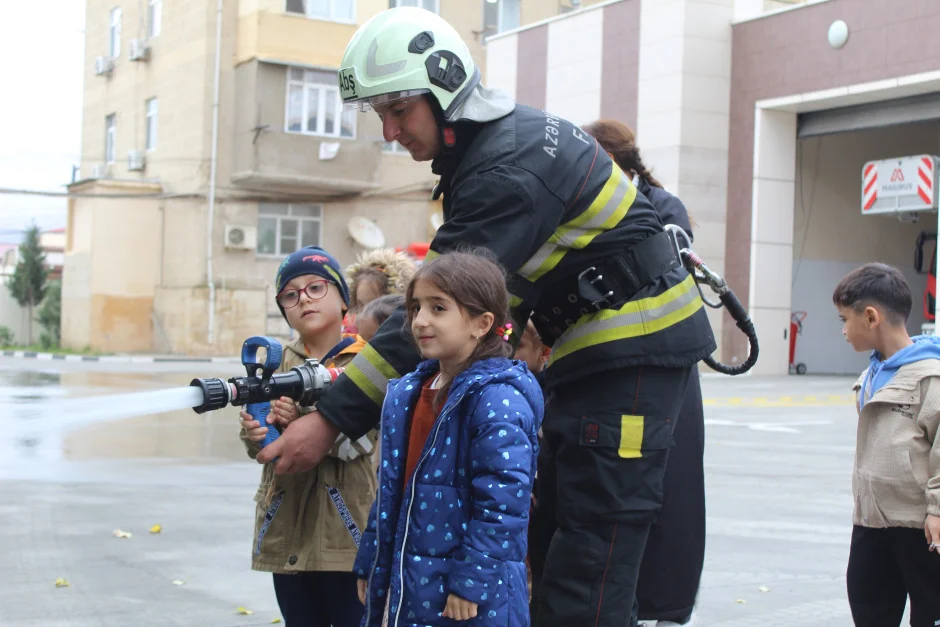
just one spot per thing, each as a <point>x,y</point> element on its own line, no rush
<point>896,482</point>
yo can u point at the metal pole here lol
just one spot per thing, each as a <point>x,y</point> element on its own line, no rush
<point>213,159</point>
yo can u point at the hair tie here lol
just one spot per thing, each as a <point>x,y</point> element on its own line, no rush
<point>505,331</point>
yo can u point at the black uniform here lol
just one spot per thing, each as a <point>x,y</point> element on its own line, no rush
<point>675,551</point>
<point>589,259</point>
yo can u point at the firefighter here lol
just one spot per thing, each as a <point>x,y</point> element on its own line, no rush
<point>586,257</point>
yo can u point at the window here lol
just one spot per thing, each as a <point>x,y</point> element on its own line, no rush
<point>430,5</point>
<point>114,33</point>
<point>500,15</point>
<point>334,10</point>
<point>154,17</point>
<point>151,108</point>
<point>110,133</point>
<point>282,229</point>
<point>394,148</point>
<point>314,106</point>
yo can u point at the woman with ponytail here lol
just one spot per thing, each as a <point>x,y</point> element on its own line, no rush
<point>675,551</point>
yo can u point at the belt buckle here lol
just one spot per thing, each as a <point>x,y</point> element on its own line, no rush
<point>592,288</point>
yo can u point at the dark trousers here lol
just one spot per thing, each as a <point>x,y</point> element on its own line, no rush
<point>318,599</point>
<point>675,551</point>
<point>885,567</point>
<point>604,448</point>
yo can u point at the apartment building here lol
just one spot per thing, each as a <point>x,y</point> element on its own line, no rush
<point>213,144</point>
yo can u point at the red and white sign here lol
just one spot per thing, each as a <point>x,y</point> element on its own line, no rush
<point>900,185</point>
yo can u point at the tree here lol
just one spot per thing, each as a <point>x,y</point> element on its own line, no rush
<point>49,316</point>
<point>28,283</point>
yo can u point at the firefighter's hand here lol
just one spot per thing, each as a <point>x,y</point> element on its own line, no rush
<point>361,585</point>
<point>283,412</point>
<point>253,429</point>
<point>932,531</point>
<point>459,609</point>
<point>302,445</point>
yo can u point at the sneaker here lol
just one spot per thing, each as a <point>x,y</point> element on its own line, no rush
<point>669,623</point>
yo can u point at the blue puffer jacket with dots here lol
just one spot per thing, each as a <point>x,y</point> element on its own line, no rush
<point>458,525</point>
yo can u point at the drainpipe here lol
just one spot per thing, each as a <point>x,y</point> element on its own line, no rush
<point>213,159</point>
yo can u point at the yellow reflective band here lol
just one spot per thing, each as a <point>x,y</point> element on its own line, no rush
<point>371,373</point>
<point>635,319</point>
<point>431,254</point>
<point>604,213</point>
<point>631,437</point>
<point>514,301</point>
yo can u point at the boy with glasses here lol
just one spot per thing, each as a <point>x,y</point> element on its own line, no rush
<point>300,531</point>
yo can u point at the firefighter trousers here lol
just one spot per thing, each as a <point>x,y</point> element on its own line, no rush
<point>601,465</point>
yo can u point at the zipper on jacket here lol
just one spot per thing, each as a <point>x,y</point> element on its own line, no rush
<point>411,503</point>
<point>378,518</point>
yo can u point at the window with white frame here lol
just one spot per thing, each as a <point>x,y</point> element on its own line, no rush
<point>151,116</point>
<point>114,33</point>
<point>430,5</point>
<point>333,10</point>
<point>283,229</point>
<point>314,106</point>
<point>500,15</point>
<point>110,135</point>
<point>154,17</point>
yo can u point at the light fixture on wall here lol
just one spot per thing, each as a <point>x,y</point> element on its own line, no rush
<point>492,1</point>
<point>838,33</point>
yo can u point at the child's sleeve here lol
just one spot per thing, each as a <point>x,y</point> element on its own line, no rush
<point>368,547</point>
<point>502,457</point>
<point>930,418</point>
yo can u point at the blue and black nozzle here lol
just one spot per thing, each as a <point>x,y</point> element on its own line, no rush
<point>305,384</point>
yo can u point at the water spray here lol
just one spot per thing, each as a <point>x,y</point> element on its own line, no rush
<point>305,384</point>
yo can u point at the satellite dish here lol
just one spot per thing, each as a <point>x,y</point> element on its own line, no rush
<point>365,232</point>
<point>436,221</point>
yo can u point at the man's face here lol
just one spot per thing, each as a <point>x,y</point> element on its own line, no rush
<point>411,123</point>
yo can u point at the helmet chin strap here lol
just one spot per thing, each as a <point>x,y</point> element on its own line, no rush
<point>446,130</point>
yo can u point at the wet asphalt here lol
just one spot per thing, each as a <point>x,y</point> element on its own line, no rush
<point>778,462</point>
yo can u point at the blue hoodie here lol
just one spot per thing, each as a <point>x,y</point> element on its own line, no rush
<point>881,371</point>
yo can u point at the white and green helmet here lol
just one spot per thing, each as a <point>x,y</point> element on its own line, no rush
<point>404,52</point>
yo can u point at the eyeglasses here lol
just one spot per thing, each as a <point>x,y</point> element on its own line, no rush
<point>315,290</point>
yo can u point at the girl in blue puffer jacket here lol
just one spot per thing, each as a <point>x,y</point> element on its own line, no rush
<point>446,539</point>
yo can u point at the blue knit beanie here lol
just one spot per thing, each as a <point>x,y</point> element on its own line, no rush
<point>311,260</point>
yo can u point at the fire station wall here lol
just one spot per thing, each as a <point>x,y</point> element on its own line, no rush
<point>831,237</point>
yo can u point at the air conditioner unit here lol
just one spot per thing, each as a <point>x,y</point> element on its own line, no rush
<point>241,237</point>
<point>103,66</point>
<point>101,171</point>
<point>139,50</point>
<point>136,160</point>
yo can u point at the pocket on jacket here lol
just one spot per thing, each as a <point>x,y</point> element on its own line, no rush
<point>342,503</point>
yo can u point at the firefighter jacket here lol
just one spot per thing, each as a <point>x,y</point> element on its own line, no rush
<point>541,194</point>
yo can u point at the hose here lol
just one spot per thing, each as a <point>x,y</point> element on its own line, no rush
<point>703,275</point>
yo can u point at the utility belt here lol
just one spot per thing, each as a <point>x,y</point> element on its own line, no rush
<point>608,283</point>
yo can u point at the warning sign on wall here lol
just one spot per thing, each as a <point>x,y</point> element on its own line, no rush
<point>900,185</point>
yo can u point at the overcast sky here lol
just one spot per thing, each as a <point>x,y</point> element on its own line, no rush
<point>41,57</point>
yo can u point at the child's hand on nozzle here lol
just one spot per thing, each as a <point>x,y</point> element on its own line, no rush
<point>932,531</point>
<point>459,609</point>
<point>283,412</point>
<point>255,430</point>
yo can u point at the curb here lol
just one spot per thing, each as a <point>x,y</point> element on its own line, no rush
<point>135,359</point>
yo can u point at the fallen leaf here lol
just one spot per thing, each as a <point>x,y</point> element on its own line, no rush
<point>275,621</point>
<point>741,601</point>
<point>156,529</point>
<point>121,534</point>
<point>178,582</point>
<point>764,589</point>
<point>62,583</point>
<point>244,612</point>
